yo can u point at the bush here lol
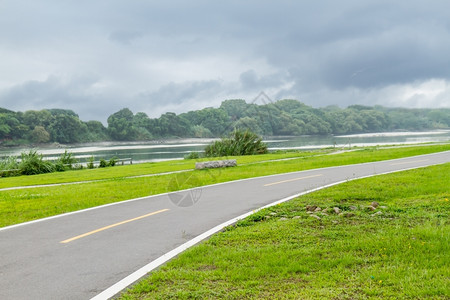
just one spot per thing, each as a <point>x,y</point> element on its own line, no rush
<point>66,160</point>
<point>238,143</point>
<point>32,163</point>
<point>192,155</point>
<point>113,161</point>
<point>103,163</point>
<point>90,164</point>
<point>59,167</point>
<point>9,167</point>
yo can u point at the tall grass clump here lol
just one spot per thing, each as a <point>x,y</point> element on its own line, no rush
<point>66,161</point>
<point>9,167</point>
<point>32,163</point>
<point>238,143</point>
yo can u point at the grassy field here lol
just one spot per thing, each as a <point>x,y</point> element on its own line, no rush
<point>113,184</point>
<point>136,170</point>
<point>400,250</point>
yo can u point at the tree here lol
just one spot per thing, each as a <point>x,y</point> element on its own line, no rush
<point>235,108</point>
<point>5,128</point>
<point>34,118</point>
<point>96,131</point>
<point>40,135</point>
<point>66,128</point>
<point>201,132</point>
<point>142,124</point>
<point>120,125</point>
<point>247,123</point>
<point>171,125</point>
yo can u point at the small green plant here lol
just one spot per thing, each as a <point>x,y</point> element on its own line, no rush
<point>192,155</point>
<point>67,159</point>
<point>113,161</point>
<point>238,143</point>
<point>90,164</point>
<point>9,167</point>
<point>103,163</point>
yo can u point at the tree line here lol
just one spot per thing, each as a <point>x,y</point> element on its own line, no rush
<point>284,117</point>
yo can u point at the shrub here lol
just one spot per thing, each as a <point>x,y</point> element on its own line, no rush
<point>9,167</point>
<point>32,163</point>
<point>90,164</point>
<point>66,160</point>
<point>103,163</point>
<point>113,161</point>
<point>9,163</point>
<point>238,143</point>
<point>192,155</point>
<point>59,167</point>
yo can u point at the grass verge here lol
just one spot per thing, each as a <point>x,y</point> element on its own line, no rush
<point>400,250</point>
<point>18,206</point>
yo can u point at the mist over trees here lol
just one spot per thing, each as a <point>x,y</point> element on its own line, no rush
<point>284,117</point>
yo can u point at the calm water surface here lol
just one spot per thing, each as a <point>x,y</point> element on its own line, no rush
<point>177,149</point>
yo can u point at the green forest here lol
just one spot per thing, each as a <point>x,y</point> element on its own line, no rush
<point>281,118</point>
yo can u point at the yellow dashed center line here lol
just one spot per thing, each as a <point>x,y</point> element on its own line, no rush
<point>111,226</point>
<point>409,162</point>
<point>294,179</point>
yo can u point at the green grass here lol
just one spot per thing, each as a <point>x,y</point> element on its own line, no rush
<point>284,253</point>
<point>134,170</point>
<point>18,206</point>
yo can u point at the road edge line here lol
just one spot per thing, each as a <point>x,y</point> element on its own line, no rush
<point>135,276</point>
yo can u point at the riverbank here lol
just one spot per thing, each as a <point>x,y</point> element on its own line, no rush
<point>160,150</point>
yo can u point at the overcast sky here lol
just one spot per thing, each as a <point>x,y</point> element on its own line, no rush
<point>98,56</point>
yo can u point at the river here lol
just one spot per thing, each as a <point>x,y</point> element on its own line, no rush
<point>177,149</point>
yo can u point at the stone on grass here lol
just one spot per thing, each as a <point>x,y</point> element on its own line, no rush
<point>310,207</point>
<point>337,210</point>
<point>375,204</point>
<point>317,209</point>
<point>215,164</point>
<point>370,207</point>
<point>353,207</point>
<point>316,217</point>
<point>376,214</point>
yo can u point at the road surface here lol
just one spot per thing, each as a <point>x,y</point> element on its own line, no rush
<point>79,255</point>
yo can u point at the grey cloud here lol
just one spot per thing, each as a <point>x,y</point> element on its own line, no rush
<point>125,37</point>
<point>251,82</point>
<point>149,55</point>
<point>77,94</point>
<point>382,44</point>
<point>176,93</point>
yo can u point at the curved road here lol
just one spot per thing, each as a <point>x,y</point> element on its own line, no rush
<point>79,255</point>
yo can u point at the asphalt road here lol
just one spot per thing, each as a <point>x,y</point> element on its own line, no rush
<point>78,255</point>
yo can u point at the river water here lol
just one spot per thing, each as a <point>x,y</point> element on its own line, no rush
<point>177,149</point>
